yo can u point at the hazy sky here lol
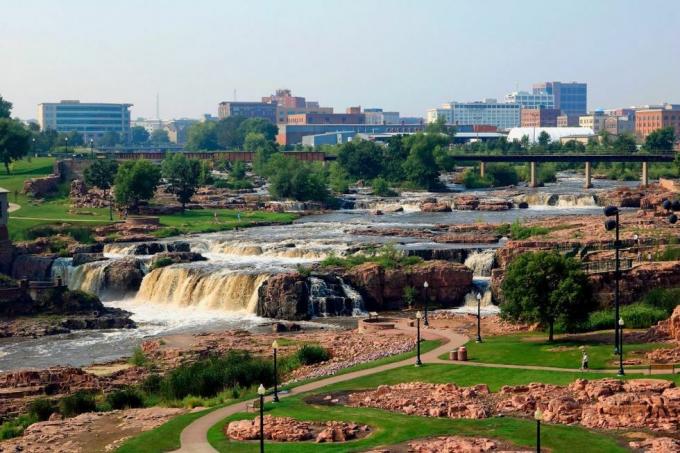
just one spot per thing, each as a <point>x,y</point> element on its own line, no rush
<point>398,55</point>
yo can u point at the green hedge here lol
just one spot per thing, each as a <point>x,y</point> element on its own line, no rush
<point>635,316</point>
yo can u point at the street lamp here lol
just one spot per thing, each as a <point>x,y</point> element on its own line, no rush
<point>425,286</point>
<point>92,148</point>
<point>479,318</point>
<point>260,391</point>
<point>613,224</point>
<point>66,144</point>
<point>621,347</point>
<point>275,347</point>
<point>538,415</point>
<point>418,316</point>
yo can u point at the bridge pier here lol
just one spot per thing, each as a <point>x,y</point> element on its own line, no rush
<point>532,175</point>
<point>589,182</point>
<point>644,182</point>
<point>482,169</point>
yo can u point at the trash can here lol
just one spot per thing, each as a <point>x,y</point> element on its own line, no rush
<point>462,354</point>
<point>453,355</point>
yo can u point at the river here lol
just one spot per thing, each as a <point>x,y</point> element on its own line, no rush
<point>220,293</point>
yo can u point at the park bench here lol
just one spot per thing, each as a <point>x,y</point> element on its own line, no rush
<point>665,367</point>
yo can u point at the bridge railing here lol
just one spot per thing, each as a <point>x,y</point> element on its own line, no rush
<point>595,267</point>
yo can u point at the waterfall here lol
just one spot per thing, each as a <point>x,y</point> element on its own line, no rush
<point>61,268</point>
<point>333,297</point>
<point>115,249</point>
<point>481,262</point>
<point>565,200</point>
<point>287,250</point>
<point>88,277</point>
<point>480,285</point>
<point>202,287</point>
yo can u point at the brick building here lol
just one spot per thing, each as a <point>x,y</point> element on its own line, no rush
<point>248,110</point>
<point>327,118</point>
<point>649,120</point>
<point>539,117</point>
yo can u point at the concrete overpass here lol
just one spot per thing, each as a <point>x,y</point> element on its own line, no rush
<point>587,159</point>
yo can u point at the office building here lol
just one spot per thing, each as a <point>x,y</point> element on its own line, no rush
<point>91,119</point>
<point>616,125</point>
<point>355,110</point>
<point>594,121</point>
<point>539,117</point>
<point>284,98</point>
<point>151,125</point>
<point>327,118</point>
<point>557,134</point>
<point>649,120</point>
<point>378,116</point>
<point>503,115</point>
<point>291,134</point>
<point>567,121</point>
<point>248,110</point>
<point>178,129</point>
<point>571,98</point>
<point>536,99</point>
<point>283,113</point>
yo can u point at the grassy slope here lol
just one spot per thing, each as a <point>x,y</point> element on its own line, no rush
<point>533,349</point>
<point>203,220</point>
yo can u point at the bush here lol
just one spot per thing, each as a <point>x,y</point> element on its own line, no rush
<point>41,409</point>
<point>138,358</point>
<point>410,295</point>
<point>669,254</point>
<point>78,403</point>
<point>162,262</point>
<point>518,231</point>
<point>472,180</point>
<point>664,298</point>
<point>635,316</point>
<point>387,256</point>
<point>152,384</point>
<point>381,188</point>
<point>125,399</point>
<point>7,281</point>
<point>310,354</point>
<point>15,427</point>
<point>208,377</point>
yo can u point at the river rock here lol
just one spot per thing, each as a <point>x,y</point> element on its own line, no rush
<point>82,258</point>
<point>435,207</point>
<point>178,257</point>
<point>283,296</point>
<point>33,267</point>
<point>123,277</point>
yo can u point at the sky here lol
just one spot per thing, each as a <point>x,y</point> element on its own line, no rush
<point>399,55</point>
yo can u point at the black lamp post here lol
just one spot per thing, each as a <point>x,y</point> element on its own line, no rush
<point>538,415</point>
<point>479,318</point>
<point>427,301</point>
<point>261,391</point>
<point>418,316</point>
<point>621,373</point>
<point>613,224</point>
<point>275,347</point>
<point>66,144</point>
<point>92,148</point>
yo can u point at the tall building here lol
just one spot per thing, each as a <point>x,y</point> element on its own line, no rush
<point>594,121</point>
<point>378,116</point>
<point>283,113</point>
<point>649,120</point>
<point>92,119</point>
<point>490,112</point>
<point>536,99</point>
<point>571,98</point>
<point>248,110</point>
<point>539,117</point>
<point>284,98</point>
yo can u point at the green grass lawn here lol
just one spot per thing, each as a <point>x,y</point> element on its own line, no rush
<point>203,220</point>
<point>534,349</point>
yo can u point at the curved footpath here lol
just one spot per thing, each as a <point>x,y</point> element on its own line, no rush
<point>194,438</point>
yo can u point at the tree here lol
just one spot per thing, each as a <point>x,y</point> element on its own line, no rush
<point>228,132</point>
<point>660,139</point>
<point>15,141</point>
<point>136,181</point>
<point>421,167</point>
<point>74,139</point>
<point>101,173</point>
<point>291,179</point>
<point>543,139</point>
<point>238,170</point>
<point>361,159</point>
<point>440,127</point>
<point>139,135</point>
<point>546,287</point>
<point>109,138</point>
<point>625,143</point>
<point>202,136</point>
<point>160,137</point>
<point>182,176</point>
<point>259,126</point>
<point>5,108</point>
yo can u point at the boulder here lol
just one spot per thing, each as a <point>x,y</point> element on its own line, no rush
<point>123,277</point>
<point>33,267</point>
<point>283,296</point>
<point>178,257</point>
<point>82,258</point>
<point>435,207</point>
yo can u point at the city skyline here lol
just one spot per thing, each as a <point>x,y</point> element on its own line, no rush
<point>196,57</point>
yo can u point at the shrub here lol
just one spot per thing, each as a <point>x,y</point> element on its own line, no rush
<point>162,262</point>
<point>472,180</point>
<point>77,403</point>
<point>138,358</point>
<point>381,188</point>
<point>15,427</point>
<point>152,384</point>
<point>669,254</point>
<point>387,256</point>
<point>7,281</point>
<point>410,294</point>
<point>665,298</point>
<point>310,354</point>
<point>635,316</point>
<point>41,409</point>
<point>519,231</point>
<point>125,399</point>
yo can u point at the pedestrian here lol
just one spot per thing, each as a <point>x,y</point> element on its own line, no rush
<point>215,219</point>
<point>584,361</point>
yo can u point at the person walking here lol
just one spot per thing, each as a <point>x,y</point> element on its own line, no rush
<point>584,361</point>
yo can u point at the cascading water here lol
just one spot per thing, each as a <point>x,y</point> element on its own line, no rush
<point>333,297</point>
<point>481,262</point>
<point>564,200</point>
<point>88,277</point>
<point>62,269</point>
<point>355,297</point>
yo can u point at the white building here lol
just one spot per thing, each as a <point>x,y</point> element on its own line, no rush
<point>556,133</point>
<point>92,119</point>
<point>594,121</point>
<point>490,112</point>
<point>531,100</point>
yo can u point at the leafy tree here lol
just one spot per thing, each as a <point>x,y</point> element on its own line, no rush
<point>440,127</point>
<point>109,138</point>
<point>136,181</point>
<point>45,140</point>
<point>338,179</point>
<point>228,132</point>
<point>361,159</point>
<point>101,173</point>
<point>543,139</point>
<point>259,126</point>
<point>202,136</point>
<point>159,137</point>
<point>625,143</point>
<point>291,179</point>
<point>139,135</point>
<point>660,140</point>
<point>394,155</point>
<point>381,188</point>
<point>546,287</point>
<point>238,170</point>
<point>5,108</point>
<point>74,139</point>
<point>182,175</point>
<point>421,167</point>
<point>15,141</point>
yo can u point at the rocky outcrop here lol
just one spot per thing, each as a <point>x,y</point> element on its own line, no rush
<point>637,281</point>
<point>123,277</point>
<point>383,289</point>
<point>83,258</point>
<point>33,267</point>
<point>82,197</point>
<point>284,296</point>
<point>288,429</point>
<point>39,187</point>
<point>656,445</point>
<point>435,207</point>
<point>456,444</point>
<point>177,257</point>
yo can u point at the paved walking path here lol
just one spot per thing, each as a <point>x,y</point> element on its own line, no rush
<point>194,438</point>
